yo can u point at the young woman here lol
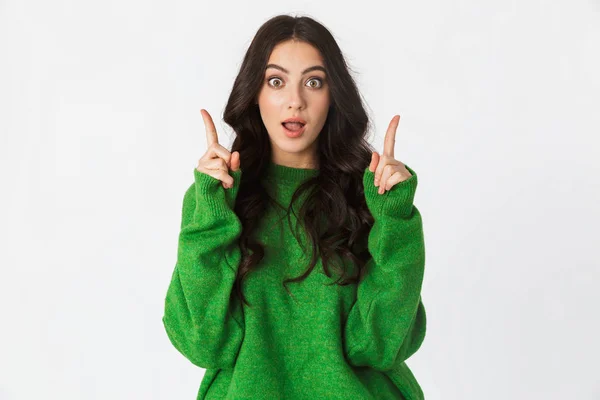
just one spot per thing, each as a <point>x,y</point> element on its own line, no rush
<point>301,254</point>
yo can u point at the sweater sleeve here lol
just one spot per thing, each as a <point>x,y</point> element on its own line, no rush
<point>386,324</point>
<point>200,318</point>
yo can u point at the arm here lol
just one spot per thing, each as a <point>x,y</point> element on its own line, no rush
<point>387,323</point>
<point>200,319</point>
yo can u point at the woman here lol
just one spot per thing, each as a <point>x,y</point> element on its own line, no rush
<point>301,255</point>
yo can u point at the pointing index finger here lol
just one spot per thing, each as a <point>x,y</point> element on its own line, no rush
<point>390,137</point>
<point>211,132</point>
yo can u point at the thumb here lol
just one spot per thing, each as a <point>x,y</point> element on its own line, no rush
<point>374,161</point>
<point>235,161</point>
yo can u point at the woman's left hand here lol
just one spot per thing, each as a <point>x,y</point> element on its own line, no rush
<point>388,171</point>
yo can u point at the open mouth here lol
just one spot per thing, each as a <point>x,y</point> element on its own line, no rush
<point>293,130</point>
<point>293,126</point>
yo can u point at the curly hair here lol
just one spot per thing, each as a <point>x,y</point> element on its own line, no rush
<point>343,155</point>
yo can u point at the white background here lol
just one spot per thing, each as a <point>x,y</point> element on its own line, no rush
<point>100,132</point>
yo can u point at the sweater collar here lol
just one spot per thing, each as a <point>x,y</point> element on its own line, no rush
<point>289,176</point>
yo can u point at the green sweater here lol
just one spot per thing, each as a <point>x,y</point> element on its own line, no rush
<point>324,342</point>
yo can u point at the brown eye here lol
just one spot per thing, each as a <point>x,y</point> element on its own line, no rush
<point>317,80</point>
<point>274,79</point>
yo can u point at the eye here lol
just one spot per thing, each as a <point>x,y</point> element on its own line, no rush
<point>275,78</point>
<point>270,79</point>
<point>317,80</point>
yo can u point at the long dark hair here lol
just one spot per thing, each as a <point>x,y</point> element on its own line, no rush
<point>343,155</point>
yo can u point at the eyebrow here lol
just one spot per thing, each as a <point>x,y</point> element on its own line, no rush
<point>307,70</point>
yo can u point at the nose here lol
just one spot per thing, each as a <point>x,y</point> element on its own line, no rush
<point>296,97</point>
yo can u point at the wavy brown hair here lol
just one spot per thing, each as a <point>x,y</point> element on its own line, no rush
<point>343,155</point>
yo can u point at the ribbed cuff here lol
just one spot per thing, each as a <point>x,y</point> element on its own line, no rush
<point>212,197</point>
<point>398,201</point>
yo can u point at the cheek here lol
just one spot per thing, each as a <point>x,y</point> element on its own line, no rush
<point>267,111</point>
<point>270,106</point>
<point>323,106</point>
<point>322,112</point>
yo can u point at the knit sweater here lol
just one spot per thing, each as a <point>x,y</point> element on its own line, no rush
<point>321,342</point>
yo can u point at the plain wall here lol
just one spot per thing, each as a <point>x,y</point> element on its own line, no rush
<point>100,130</point>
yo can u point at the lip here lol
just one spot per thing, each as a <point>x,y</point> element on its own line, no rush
<point>292,134</point>
<point>294,119</point>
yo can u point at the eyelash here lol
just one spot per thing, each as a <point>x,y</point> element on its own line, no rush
<point>313,78</point>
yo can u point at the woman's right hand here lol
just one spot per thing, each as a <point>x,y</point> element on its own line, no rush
<point>217,160</point>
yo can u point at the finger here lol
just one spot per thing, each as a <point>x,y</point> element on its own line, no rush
<point>394,179</point>
<point>225,178</point>
<point>218,151</point>
<point>235,161</point>
<point>388,170</point>
<point>216,164</point>
<point>219,171</point>
<point>374,161</point>
<point>216,169</point>
<point>381,163</point>
<point>390,137</point>
<point>211,131</point>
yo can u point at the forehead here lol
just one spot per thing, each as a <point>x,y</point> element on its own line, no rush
<point>295,55</point>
